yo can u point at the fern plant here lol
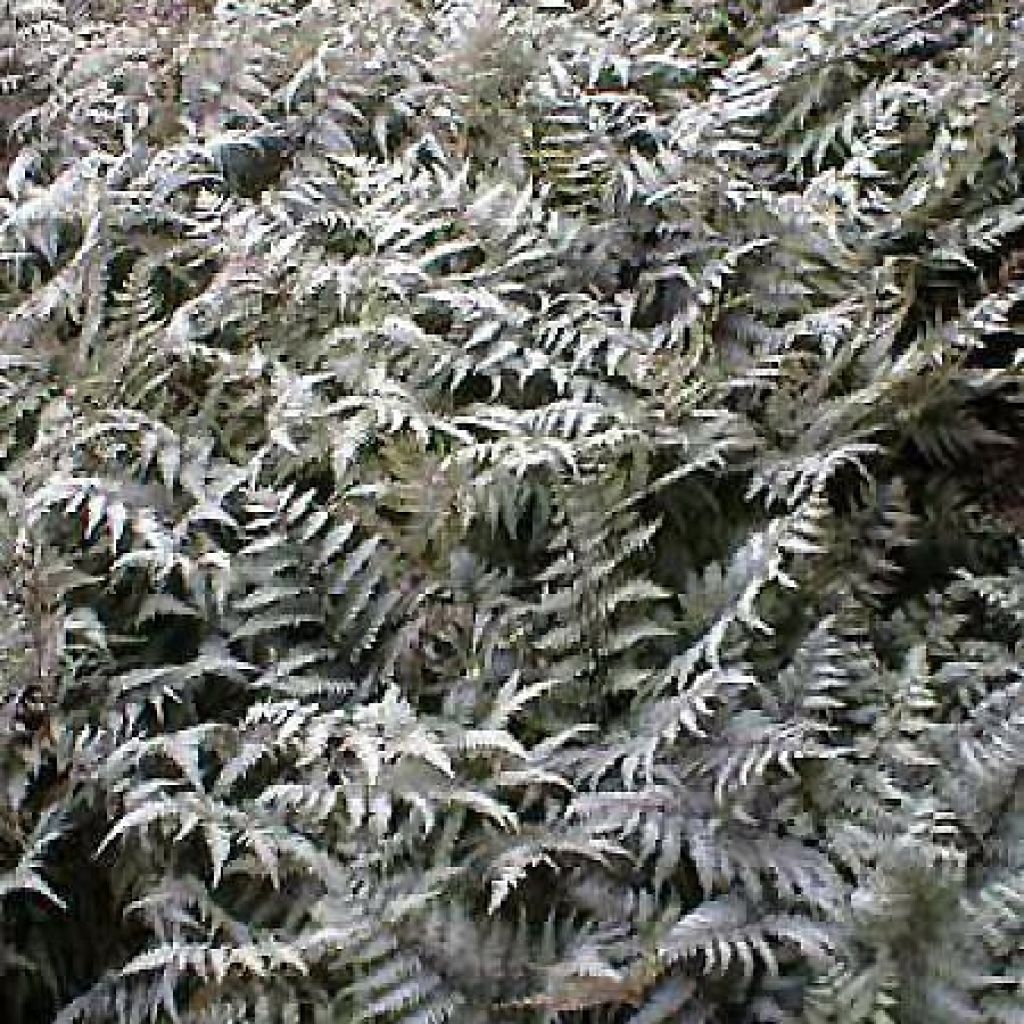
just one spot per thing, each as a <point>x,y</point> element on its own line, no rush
<point>511,511</point>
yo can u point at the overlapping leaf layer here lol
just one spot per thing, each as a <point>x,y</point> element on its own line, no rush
<point>512,511</point>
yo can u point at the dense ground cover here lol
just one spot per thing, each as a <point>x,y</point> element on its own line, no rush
<point>511,510</point>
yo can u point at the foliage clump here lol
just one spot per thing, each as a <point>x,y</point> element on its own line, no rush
<point>512,510</point>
